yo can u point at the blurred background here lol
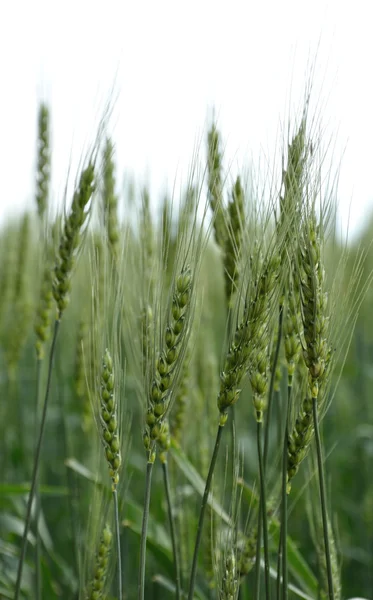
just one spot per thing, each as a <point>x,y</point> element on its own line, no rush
<point>166,65</point>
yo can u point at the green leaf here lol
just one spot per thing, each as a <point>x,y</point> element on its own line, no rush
<point>84,472</point>
<point>298,566</point>
<point>293,588</point>
<point>21,489</point>
<point>170,586</point>
<point>11,524</point>
<point>197,482</point>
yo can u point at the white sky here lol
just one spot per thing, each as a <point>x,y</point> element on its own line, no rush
<point>171,62</point>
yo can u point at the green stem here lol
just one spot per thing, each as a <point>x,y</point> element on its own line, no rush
<point>266,446</point>
<point>172,529</point>
<point>284,502</point>
<point>39,363</point>
<point>117,532</point>
<point>264,509</point>
<point>279,566</point>
<point>203,510</point>
<point>323,499</point>
<point>144,530</point>
<point>258,552</point>
<point>36,465</point>
<point>272,384</point>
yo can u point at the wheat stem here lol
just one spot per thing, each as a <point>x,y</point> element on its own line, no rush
<point>279,566</point>
<point>266,446</point>
<point>263,502</point>
<point>323,499</point>
<point>39,363</point>
<point>272,383</point>
<point>36,465</point>
<point>284,502</point>
<point>117,533</point>
<point>203,510</point>
<point>172,529</point>
<point>144,529</point>
<point>258,552</point>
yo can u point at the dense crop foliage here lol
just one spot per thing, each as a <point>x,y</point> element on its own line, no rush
<point>185,403</point>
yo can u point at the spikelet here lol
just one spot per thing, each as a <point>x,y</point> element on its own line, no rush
<point>166,233</point>
<point>43,166</point>
<point>294,180</point>
<point>215,185</point>
<point>230,580</point>
<point>148,245</point>
<point>80,375</point>
<point>79,370</point>
<point>246,553</point>
<point>109,419</point>
<point>110,200</point>
<point>147,325</point>
<point>169,359</point>
<point>250,346</point>
<point>97,586</point>
<point>44,313</point>
<point>293,185</point>
<point>236,219</point>
<point>317,351</point>
<point>71,239</point>
<point>100,286</point>
<point>178,412</point>
<point>164,441</point>
<point>291,329</point>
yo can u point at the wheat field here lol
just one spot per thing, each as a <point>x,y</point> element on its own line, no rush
<point>185,391</point>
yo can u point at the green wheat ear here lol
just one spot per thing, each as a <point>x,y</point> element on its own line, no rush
<point>110,200</point>
<point>43,166</point>
<point>44,314</point>
<point>215,185</point>
<point>248,351</point>
<point>175,335</point>
<point>109,419</point>
<point>232,250</point>
<point>230,581</point>
<point>44,311</point>
<point>71,239</point>
<point>97,586</point>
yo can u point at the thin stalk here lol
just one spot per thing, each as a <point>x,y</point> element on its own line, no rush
<point>144,530</point>
<point>266,445</point>
<point>202,512</point>
<point>172,529</point>
<point>258,552</point>
<point>117,532</point>
<point>323,499</point>
<point>36,465</point>
<point>272,384</point>
<point>233,408</point>
<point>264,509</point>
<point>284,502</point>
<point>279,567</point>
<point>39,363</point>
